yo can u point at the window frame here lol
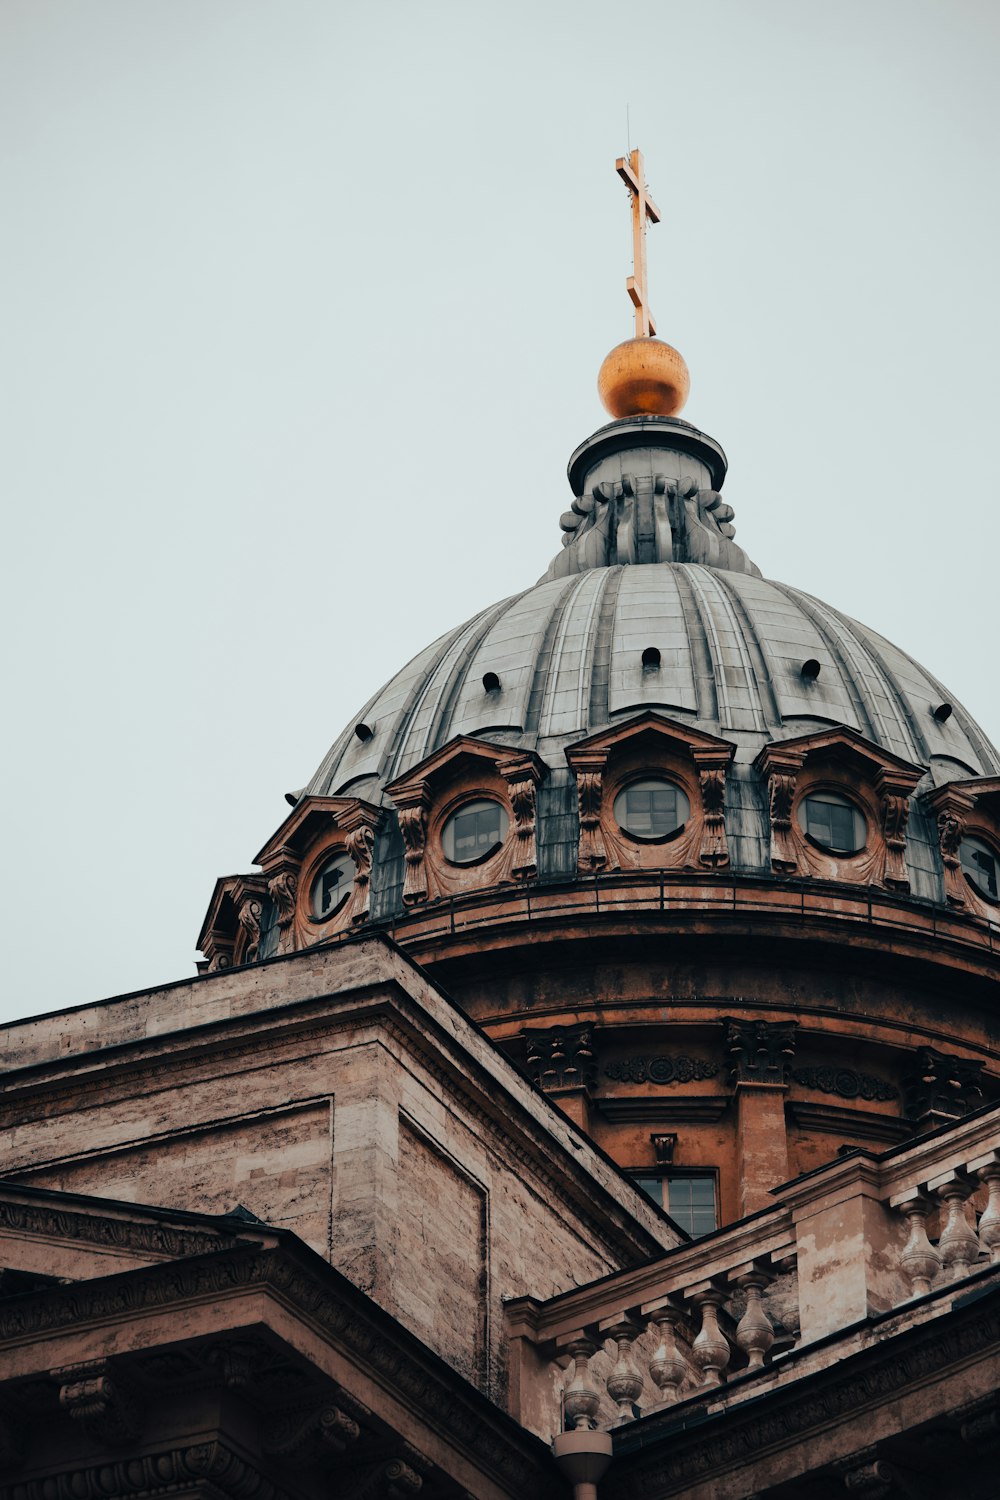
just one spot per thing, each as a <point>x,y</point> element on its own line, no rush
<point>665,1175</point>
<point>329,855</point>
<point>455,810</point>
<point>632,783</point>
<point>838,797</point>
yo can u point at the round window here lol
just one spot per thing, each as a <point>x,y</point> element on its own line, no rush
<point>332,886</point>
<point>833,822</point>
<point>981,867</point>
<point>651,809</point>
<point>476,830</point>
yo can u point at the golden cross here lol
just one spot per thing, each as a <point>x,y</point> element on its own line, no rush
<point>633,175</point>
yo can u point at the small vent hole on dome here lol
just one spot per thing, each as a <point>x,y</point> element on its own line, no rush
<point>650,659</point>
<point>943,712</point>
<point>491,682</point>
<point>364,732</point>
<point>810,669</point>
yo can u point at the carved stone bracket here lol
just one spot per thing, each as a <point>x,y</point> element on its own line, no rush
<point>251,910</point>
<point>652,738</point>
<point>590,796</point>
<point>282,889</point>
<point>951,807</point>
<point>302,1437</point>
<point>232,922</point>
<point>894,792</point>
<point>98,1402</point>
<point>782,767</point>
<point>412,811</point>
<point>522,774</point>
<point>941,1087</point>
<point>360,824</point>
<point>845,1082</point>
<point>563,1057</point>
<point>712,762</point>
<point>759,1051</point>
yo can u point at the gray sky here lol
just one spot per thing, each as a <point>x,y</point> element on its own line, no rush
<point>303,306</point>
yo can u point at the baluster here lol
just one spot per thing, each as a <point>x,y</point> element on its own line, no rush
<point>754,1333</point>
<point>919,1260</point>
<point>710,1350</point>
<point>958,1244</point>
<point>667,1366</point>
<point>624,1380</point>
<point>581,1398</point>
<point>989,1224</point>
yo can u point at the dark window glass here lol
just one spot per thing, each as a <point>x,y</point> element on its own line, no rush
<point>474,831</point>
<point>981,867</point>
<point>832,822</point>
<point>651,809</point>
<point>268,940</point>
<point>690,1201</point>
<point>332,885</point>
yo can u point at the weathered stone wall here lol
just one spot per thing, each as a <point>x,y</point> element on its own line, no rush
<point>375,1122</point>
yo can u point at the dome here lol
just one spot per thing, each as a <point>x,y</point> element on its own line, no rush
<point>568,654</point>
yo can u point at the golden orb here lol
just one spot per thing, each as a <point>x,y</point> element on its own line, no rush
<point>643,377</point>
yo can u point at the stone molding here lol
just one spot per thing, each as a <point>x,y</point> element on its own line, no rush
<point>215,1464</point>
<point>760,1052</point>
<point>602,763</point>
<point>660,1069</point>
<point>96,1229</point>
<point>941,1087</point>
<point>327,1301</point>
<point>840,759</point>
<point>562,1057</point>
<point>231,928</point>
<point>421,799</point>
<point>971,806</point>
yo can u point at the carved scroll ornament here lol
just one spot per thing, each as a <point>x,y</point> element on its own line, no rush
<point>590,796</point>
<point>714,849</point>
<point>361,847</point>
<point>781,799</point>
<point>413,827</point>
<point>282,890</point>
<point>522,776</point>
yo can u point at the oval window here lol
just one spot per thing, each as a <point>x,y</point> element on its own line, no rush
<point>332,886</point>
<point>981,867</point>
<point>833,822</point>
<point>475,831</point>
<point>651,809</point>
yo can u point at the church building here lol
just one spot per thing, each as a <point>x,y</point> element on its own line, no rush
<point>591,1089</point>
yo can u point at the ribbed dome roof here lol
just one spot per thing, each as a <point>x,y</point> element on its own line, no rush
<point>568,654</point>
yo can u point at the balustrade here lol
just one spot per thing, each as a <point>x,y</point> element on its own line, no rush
<point>856,1239</point>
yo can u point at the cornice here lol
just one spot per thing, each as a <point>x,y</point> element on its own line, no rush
<point>119,1234</point>
<point>332,1306</point>
<point>215,1464</point>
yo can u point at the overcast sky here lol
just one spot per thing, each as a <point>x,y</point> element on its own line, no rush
<point>303,307</point>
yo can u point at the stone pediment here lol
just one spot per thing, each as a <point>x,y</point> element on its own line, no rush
<point>702,748</point>
<point>844,743</point>
<point>510,763</point>
<point>307,820</point>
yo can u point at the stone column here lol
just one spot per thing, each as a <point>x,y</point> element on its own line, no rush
<point>760,1054</point>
